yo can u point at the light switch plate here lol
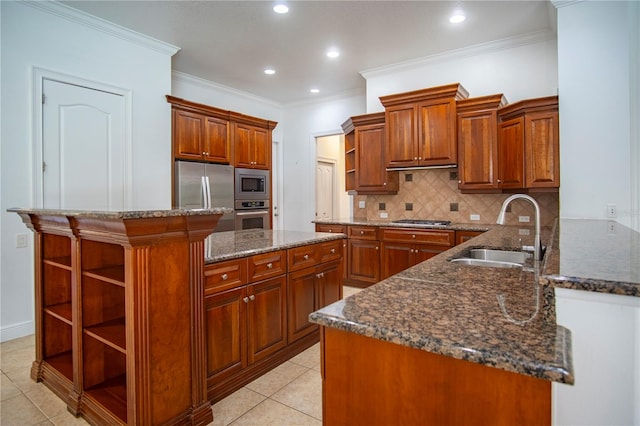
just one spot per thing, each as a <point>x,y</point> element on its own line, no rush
<point>523,219</point>
<point>384,215</point>
<point>361,204</point>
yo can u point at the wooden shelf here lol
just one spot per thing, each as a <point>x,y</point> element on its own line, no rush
<point>109,274</point>
<point>63,262</point>
<point>63,363</point>
<point>111,333</point>
<point>60,311</point>
<point>112,394</point>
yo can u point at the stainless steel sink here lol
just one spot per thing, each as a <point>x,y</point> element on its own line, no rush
<point>499,255</point>
<point>486,263</point>
<point>492,258</point>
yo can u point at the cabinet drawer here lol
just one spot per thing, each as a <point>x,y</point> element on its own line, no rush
<point>434,237</point>
<point>363,232</point>
<point>226,275</point>
<point>303,257</point>
<point>336,229</point>
<point>267,265</point>
<point>330,250</point>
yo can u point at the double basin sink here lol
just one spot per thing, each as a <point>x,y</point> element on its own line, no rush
<point>493,258</point>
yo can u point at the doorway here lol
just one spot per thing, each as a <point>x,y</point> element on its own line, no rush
<point>332,200</point>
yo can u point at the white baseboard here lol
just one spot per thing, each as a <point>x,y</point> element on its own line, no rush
<point>16,330</point>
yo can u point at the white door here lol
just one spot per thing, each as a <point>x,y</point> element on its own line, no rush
<point>83,143</point>
<point>324,190</point>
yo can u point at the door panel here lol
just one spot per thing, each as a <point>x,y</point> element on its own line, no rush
<point>324,190</point>
<point>83,148</point>
<point>267,317</point>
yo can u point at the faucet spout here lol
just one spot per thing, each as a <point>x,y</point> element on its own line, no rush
<point>537,245</point>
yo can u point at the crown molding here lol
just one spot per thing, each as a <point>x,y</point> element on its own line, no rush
<point>492,46</point>
<point>562,3</point>
<point>99,24</point>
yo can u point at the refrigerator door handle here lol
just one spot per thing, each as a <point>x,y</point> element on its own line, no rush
<point>208,192</point>
<point>203,186</point>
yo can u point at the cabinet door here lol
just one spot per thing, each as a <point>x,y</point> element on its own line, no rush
<point>364,261</point>
<point>329,283</point>
<point>217,144</point>
<point>511,153</point>
<point>396,257</point>
<point>477,155</point>
<point>188,134</point>
<point>542,148</point>
<point>437,132</point>
<point>267,317</point>
<point>402,136</point>
<point>371,175</point>
<point>242,145</point>
<point>424,252</point>
<point>261,149</point>
<point>464,236</point>
<point>226,335</point>
<point>302,300</point>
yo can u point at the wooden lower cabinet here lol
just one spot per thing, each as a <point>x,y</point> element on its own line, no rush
<point>340,229</point>
<point>464,236</point>
<point>252,327</point>
<point>364,256</point>
<point>366,381</point>
<point>402,248</point>
<point>309,290</point>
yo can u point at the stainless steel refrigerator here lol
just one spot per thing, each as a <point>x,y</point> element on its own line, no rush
<point>200,185</point>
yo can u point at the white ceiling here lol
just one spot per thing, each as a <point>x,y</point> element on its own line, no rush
<point>231,42</point>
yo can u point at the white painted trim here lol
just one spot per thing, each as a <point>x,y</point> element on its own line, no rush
<point>278,183</point>
<point>38,77</point>
<point>634,113</point>
<point>17,330</point>
<point>99,24</point>
<point>596,297</point>
<point>478,49</point>
<point>562,3</point>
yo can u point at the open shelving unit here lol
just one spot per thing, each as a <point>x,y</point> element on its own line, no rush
<point>119,319</point>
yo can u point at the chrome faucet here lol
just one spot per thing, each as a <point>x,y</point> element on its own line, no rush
<point>537,245</point>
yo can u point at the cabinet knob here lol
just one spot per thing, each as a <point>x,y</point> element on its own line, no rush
<point>269,265</point>
<point>306,257</point>
<point>361,232</point>
<point>499,180</point>
<point>459,182</point>
<point>204,154</point>
<point>252,297</point>
<point>419,158</point>
<point>415,158</point>
<point>384,184</point>
<point>377,248</point>
<point>224,276</point>
<point>333,251</point>
<point>413,236</point>
<point>245,299</point>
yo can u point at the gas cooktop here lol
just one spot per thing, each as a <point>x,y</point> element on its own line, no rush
<point>426,222</point>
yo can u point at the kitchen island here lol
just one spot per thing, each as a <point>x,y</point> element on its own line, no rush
<point>449,344</point>
<point>128,329</point>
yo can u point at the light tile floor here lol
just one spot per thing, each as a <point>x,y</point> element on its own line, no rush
<point>290,394</point>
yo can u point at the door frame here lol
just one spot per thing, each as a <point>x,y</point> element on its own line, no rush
<point>38,77</point>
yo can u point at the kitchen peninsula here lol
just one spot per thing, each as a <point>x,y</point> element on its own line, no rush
<point>130,308</point>
<point>445,343</point>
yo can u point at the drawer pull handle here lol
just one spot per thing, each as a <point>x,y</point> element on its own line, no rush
<point>225,276</point>
<point>245,299</point>
<point>252,297</point>
<point>333,251</point>
<point>269,265</point>
<point>306,257</point>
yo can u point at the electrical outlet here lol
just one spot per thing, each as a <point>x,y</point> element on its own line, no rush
<point>21,240</point>
<point>523,219</point>
<point>612,211</point>
<point>361,204</point>
<point>612,227</point>
<point>523,231</point>
<point>384,215</point>
<point>475,217</point>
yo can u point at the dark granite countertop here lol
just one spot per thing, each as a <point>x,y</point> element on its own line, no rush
<point>387,223</point>
<point>504,318</point>
<point>235,244</point>
<point>121,214</point>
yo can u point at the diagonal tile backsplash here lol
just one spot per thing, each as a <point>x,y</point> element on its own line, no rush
<point>431,194</point>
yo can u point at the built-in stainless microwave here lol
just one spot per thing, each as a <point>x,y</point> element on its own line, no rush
<point>252,184</point>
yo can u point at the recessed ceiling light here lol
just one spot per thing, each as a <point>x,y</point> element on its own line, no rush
<point>333,53</point>
<point>269,71</point>
<point>457,16</point>
<point>281,8</point>
<point>315,90</point>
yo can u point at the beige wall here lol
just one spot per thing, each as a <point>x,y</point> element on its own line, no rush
<point>432,191</point>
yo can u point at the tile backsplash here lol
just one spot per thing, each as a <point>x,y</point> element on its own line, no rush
<point>434,194</point>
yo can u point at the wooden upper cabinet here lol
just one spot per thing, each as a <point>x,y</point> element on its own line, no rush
<point>421,126</point>
<point>478,161</point>
<point>252,141</point>
<point>200,132</point>
<point>368,151</point>
<point>529,138</point>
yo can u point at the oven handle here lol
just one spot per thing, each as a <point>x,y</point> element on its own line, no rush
<point>251,212</point>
